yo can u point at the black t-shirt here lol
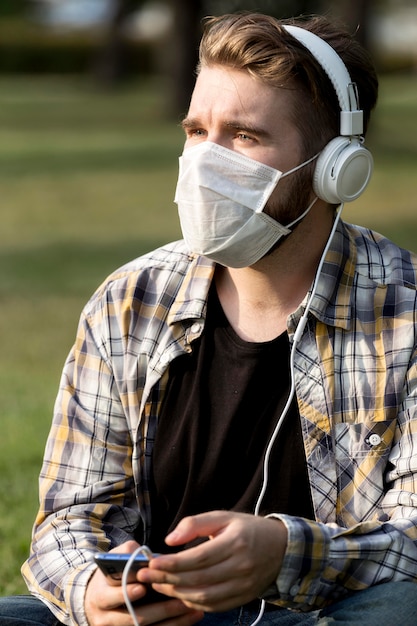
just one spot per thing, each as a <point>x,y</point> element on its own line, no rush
<point>219,411</point>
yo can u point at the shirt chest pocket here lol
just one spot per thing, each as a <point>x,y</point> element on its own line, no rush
<point>368,439</point>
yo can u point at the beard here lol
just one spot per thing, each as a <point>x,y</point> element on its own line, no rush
<point>292,198</point>
<point>291,202</point>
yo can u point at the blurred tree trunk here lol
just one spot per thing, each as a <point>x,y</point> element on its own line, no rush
<point>355,14</point>
<point>182,53</point>
<point>110,65</point>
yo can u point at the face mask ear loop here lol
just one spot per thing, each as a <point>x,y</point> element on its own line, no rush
<point>297,336</point>
<point>302,216</point>
<point>298,167</point>
<point>126,571</point>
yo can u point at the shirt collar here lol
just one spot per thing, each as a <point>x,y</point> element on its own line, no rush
<point>331,304</point>
<point>191,300</point>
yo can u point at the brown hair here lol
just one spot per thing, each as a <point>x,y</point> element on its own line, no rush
<point>258,44</point>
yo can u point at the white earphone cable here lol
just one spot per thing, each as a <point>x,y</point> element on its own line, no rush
<point>126,571</point>
<point>297,336</point>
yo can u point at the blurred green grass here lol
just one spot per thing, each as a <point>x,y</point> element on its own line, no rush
<point>86,183</point>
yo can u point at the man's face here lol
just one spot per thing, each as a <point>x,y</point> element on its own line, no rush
<point>231,108</point>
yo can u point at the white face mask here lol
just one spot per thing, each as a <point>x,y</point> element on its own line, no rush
<point>221,195</point>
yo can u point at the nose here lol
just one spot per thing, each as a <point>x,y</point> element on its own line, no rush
<point>220,138</point>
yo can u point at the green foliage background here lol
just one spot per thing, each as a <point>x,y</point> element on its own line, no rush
<point>87,182</point>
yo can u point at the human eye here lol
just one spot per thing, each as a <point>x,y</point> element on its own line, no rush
<point>193,130</point>
<point>242,136</point>
<point>246,135</point>
<point>190,133</point>
<point>197,132</point>
<point>249,135</point>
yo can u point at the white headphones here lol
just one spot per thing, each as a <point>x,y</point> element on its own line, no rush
<point>344,166</point>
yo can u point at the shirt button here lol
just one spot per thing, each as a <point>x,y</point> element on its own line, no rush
<point>374,439</point>
<point>294,590</point>
<point>195,328</point>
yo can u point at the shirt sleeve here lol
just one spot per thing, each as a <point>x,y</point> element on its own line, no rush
<point>324,562</point>
<point>87,495</point>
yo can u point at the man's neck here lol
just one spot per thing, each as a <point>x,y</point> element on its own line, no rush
<point>257,300</point>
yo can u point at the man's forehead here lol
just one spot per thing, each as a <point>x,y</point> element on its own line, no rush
<point>225,86</point>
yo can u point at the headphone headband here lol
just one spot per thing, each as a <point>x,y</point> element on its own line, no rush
<point>351,117</point>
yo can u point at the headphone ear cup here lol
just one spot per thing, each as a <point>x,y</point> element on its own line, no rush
<point>343,170</point>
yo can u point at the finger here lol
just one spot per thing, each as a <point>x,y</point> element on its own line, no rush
<point>113,597</point>
<point>197,526</point>
<point>211,554</point>
<point>191,574</point>
<point>170,612</point>
<point>108,593</point>
<point>126,548</point>
<point>207,599</point>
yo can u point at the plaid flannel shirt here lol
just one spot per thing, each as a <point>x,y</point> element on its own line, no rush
<point>356,386</point>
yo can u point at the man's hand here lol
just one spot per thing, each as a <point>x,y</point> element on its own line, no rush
<point>241,559</point>
<point>104,603</point>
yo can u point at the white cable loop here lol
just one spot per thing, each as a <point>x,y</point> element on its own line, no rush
<point>126,571</point>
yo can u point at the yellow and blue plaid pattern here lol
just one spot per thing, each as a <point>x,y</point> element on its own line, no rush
<point>356,385</point>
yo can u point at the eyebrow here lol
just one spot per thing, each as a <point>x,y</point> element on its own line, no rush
<point>249,128</point>
<point>190,122</point>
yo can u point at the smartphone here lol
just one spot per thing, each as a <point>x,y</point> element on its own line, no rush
<point>112,565</point>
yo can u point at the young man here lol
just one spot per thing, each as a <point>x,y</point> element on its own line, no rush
<point>244,401</point>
